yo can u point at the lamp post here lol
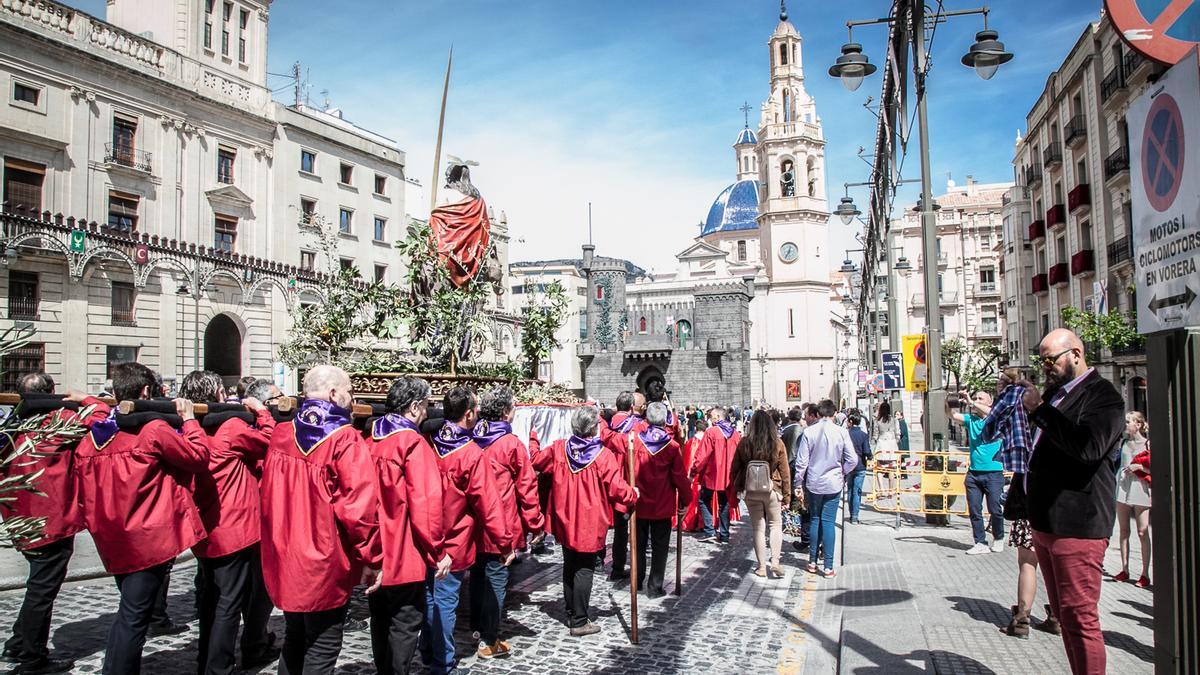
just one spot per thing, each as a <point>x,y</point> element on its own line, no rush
<point>909,20</point>
<point>762,359</point>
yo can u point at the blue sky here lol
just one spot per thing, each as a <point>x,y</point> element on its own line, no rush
<point>633,105</point>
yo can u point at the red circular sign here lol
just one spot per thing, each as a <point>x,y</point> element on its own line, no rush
<point>1162,153</point>
<point>141,254</point>
<point>1163,30</point>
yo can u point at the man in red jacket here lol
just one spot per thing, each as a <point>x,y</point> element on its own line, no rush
<point>713,460</point>
<point>136,473</point>
<point>411,528</point>
<point>229,501</point>
<point>320,528</point>
<point>630,418</point>
<point>587,485</point>
<point>517,489</point>
<point>471,508</point>
<point>58,503</point>
<point>665,490</point>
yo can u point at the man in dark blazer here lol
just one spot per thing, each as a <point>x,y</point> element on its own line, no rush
<point>1071,485</point>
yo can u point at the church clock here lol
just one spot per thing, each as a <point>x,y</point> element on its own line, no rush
<point>788,252</point>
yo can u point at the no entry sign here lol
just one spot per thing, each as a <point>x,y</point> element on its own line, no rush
<point>1165,186</point>
<point>1163,30</point>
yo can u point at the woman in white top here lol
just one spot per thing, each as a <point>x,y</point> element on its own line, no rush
<point>885,441</point>
<point>1133,496</point>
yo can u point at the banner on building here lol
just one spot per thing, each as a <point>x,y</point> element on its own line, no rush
<point>792,390</point>
<point>916,372</point>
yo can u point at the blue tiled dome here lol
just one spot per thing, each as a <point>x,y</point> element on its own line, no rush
<point>736,208</point>
<point>746,137</point>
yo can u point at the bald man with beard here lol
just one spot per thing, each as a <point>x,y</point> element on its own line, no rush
<point>1071,485</point>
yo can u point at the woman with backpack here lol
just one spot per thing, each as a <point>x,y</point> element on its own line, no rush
<point>761,473</point>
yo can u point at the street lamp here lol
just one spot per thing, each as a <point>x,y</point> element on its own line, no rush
<point>847,210</point>
<point>987,54</point>
<point>762,359</point>
<point>852,66</point>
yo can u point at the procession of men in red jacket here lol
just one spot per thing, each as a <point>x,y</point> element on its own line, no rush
<point>295,513</point>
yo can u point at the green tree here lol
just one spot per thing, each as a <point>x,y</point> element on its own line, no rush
<point>972,367</point>
<point>1111,330</point>
<point>604,331</point>
<point>540,321</point>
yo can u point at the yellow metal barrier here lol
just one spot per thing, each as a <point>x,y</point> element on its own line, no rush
<point>921,483</point>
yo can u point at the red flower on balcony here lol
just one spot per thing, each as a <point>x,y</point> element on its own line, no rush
<point>1082,262</point>
<point>1037,230</point>
<point>1059,274</point>
<point>1081,196</point>
<point>1040,285</point>
<point>1056,215</point>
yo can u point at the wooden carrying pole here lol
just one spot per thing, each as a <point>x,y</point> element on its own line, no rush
<point>285,404</point>
<point>678,553</point>
<point>633,559</point>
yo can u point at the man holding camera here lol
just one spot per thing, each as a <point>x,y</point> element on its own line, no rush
<point>985,475</point>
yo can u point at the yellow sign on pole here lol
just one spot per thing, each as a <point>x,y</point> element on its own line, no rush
<point>916,371</point>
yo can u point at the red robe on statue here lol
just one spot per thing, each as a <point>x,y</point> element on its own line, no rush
<point>462,234</point>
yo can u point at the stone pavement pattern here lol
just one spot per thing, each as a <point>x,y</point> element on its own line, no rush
<point>908,600</point>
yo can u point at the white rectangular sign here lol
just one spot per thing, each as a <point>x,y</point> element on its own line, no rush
<point>1164,174</point>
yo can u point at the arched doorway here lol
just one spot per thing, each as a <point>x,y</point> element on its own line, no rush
<point>223,348</point>
<point>650,379</point>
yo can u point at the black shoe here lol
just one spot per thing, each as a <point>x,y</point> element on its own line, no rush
<point>618,575</point>
<point>540,549</point>
<point>258,659</point>
<point>801,546</point>
<point>44,667</point>
<point>655,593</point>
<point>166,628</point>
<point>10,656</point>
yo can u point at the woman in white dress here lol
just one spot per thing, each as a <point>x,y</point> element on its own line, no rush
<point>885,437</point>
<point>1133,496</point>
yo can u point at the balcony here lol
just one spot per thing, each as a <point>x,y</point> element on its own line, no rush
<point>1079,198</point>
<point>1117,164</point>
<point>1075,131</point>
<point>1120,251</point>
<point>23,308</point>
<point>1112,83</point>
<point>986,288</point>
<point>1040,284</point>
<point>1033,176</point>
<point>1052,156</point>
<point>1083,262</point>
<point>945,299</point>
<point>988,331</point>
<point>1129,352</point>
<point>1056,215</point>
<point>1037,230</point>
<point>1131,65</point>
<point>1059,274</point>
<point>127,157</point>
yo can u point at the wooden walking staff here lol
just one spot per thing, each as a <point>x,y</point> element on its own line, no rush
<point>633,560</point>
<point>678,550</point>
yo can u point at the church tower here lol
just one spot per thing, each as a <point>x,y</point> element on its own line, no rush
<point>793,220</point>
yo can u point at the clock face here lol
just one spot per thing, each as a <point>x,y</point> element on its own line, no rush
<point>788,252</point>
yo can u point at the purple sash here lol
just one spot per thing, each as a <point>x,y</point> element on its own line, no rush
<point>392,423</point>
<point>626,425</point>
<point>316,421</point>
<point>655,439</point>
<point>486,433</point>
<point>582,451</point>
<point>449,438</point>
<point>726,427</point>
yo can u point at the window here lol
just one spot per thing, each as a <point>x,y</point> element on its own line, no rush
<point>545,370</point>
<point>791,323</point>
<point>989,326</point>
<point>380,228</point>
<point>225,158</point>
<point>783,55</point>
<point>987,275</point>
<point>741,249</point>
<point>308,161</point>
<point>1085,235</point>
<point>985,240</point>
<point>346,263</point>
<point>380,184</point>
<point>583,325</point>
<point>227,13</point>
<point>124,136</point>
<point>308,209</point>
<point>244,20</point>
<point>380,273</point>
<point>346,173</point>
<point>23,184</point>
<point>122,211</point>
<point>208,11</point>
<point>23,295</point>
<point>599,292</point>
<point>1060,248</point>
<point>1081,172</point>
<point>225,233</point>
<point>308,260</point>
<point>642,325</point>
<point>345,220</point>
<point>123,298</point>
<point>24,93</point>
<point>114,354</point>
<point>28,359</point>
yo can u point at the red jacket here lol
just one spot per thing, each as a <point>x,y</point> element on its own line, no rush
<point>59,503</point>
<point>137,497</point>
<point>516,485</point>
<point>659,477</point>
<point>411,527</point>
<point>581,502</point>
<point>1143,458</point>
<point>471,506</point>
<point>616,439</point>
<point>714,458</point>
<point>319,521</point>
<point>227,493</point>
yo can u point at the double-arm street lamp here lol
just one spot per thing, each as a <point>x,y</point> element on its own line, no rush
<point>910,22</point>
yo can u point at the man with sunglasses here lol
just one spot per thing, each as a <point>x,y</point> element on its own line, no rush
<point>1071,486</point>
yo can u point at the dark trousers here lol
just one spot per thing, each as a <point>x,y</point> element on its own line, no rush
<point>578,569</point>
<point>656,533</point>
<point>159,614</point>
<point>620,545</point>
<point>224,590</point>
<point>127,635</point>
<point>706,514</point>
<point>988,484</point>
<point>47,570</point>
<point>257,610</point>
<point>396,616</point>
<point>312,641</point>
<point>488,585</point>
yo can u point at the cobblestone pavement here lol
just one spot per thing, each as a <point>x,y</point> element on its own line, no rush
<point>907,600</point>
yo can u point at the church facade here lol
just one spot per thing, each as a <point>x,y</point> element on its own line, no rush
<point>748,315</point>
